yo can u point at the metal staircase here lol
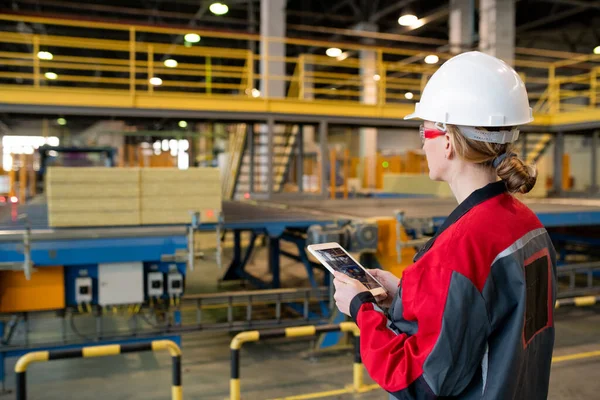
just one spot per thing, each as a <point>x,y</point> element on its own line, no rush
<point>536,146</point>
<point>284,140</point>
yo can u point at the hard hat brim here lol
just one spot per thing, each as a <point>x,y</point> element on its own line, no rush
<point>411,116</point>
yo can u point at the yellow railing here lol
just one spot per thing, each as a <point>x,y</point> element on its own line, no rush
<point>113,57</point>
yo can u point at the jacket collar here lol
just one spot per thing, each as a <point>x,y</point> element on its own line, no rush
<point>477,197</point>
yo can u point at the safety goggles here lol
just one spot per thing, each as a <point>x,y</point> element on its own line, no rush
<point>429,133</point>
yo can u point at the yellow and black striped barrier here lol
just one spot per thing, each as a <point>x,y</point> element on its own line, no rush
<point>583,301</point>
<point>101,351</point>
<point>255,336</point>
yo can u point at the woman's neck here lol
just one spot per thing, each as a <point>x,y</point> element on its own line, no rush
<point>467,178</point>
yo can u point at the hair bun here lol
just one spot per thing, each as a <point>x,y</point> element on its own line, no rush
<point>518,176</point>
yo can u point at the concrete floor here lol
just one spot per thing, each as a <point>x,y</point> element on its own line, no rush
<point>275,368</point>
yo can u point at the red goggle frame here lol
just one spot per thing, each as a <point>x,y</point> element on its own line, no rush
<point>430,133</point>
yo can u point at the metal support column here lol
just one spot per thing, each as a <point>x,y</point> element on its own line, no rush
<point>594,183</point>
<point>233,272</point>
<point>270,151</point>
<point>559,150</point>
<point>323,146</point>
<point>300,158</point>
<point>524,149</point>
<point>274,261</point>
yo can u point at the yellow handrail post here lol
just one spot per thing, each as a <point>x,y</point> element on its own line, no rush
<point>301,77</point>
<point>36,61</point>
<point>208,75</point>
<point>382,78</point>
<point>265,73</point>
<point>250,71</point>
<point>554,96</point>
<point>132,59</point>
<point>150,67</point>
<point>593,86</point>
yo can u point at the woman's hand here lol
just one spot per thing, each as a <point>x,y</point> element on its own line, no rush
<point>346,289</point>
<point>390,283</point>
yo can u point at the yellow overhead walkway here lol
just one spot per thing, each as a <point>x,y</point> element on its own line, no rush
<point>111,66</point>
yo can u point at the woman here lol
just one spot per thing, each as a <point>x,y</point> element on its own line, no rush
<point>472,318</point>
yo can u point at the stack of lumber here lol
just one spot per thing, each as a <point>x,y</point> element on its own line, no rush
<point>94,196</point>
<point>168,195</point>
<point>131,196</point>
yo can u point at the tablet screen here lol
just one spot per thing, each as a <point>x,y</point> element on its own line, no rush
<point>339,260</point>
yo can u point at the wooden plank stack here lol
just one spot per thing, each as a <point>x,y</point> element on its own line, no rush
<point>131,196</point>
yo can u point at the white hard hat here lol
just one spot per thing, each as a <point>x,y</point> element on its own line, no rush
<point>474,89</point>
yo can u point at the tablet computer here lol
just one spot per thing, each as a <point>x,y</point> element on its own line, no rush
<point>335,258</point>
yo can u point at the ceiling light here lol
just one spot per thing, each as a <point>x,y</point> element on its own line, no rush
<point>45,55</point>
<point>155,81</point>
<point>342,56</point>
<point>597,50</point>
<point>333,52</point>
<point>170,63</point>
<point>61,121</point>
<point>255,93</point>
<point>432,59</point>
<point>51,75</point>
<point>376,77</point>
<point>218,8</point>
<point>408,20</point>
<point>182,124</point>
<point>409,95</point>
<point>192,38</point>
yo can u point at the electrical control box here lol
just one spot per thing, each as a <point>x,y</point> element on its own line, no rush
<point>175,284</point>
<point>83,290</point>
<point>155,284</point>
<point>120,283</point>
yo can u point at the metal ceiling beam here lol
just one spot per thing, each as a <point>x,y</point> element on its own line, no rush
<point>390,9</point>
<point>550,18</point>
<point>576,3</point>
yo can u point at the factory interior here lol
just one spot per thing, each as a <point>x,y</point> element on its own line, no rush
<point>165,165</point>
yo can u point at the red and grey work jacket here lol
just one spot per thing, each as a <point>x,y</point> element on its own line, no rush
<point>473,317</point>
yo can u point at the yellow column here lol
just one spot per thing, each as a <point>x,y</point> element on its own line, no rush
<point>332,173</point>
<point>23,178</point>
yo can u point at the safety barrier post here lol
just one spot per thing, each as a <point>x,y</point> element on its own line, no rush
<point>311,330</point>
<point>101,351</point>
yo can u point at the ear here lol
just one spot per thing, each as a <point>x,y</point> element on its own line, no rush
<point>448,148</point>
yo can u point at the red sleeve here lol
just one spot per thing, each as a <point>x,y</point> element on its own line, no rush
<point>395,361</point>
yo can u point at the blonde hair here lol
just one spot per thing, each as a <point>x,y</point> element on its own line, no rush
<point>516,174</point>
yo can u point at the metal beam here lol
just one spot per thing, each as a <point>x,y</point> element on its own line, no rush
<point>577,3</point>
<point>550,18</point>
<point>594,183</point>
<point>559,150</point>
<point>390,9</point>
